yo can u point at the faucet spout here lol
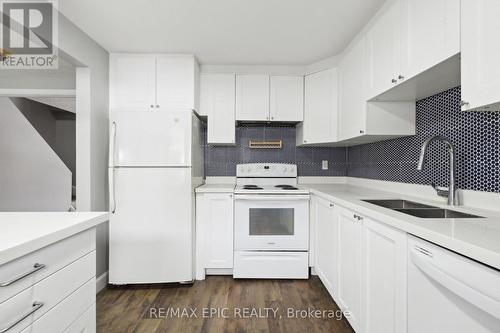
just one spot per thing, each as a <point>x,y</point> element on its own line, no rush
<point>452,191</point>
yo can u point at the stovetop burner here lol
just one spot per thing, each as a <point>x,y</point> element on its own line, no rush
<point>289,188</point>
<point>283,186</point>
<point>252,187</point>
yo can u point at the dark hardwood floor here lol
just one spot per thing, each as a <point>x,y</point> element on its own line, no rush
<point>237,306</point>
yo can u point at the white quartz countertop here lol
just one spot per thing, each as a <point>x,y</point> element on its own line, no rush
<point>24,232</point>
<point>476,238</point>
<point>215,188</point>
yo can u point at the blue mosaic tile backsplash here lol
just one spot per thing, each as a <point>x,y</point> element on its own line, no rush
<point>222,160</point>
<point>476,136</point>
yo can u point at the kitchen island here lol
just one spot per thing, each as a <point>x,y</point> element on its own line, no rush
<point>47,271</point>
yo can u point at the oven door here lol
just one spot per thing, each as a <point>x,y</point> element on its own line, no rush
<point>271,222</point>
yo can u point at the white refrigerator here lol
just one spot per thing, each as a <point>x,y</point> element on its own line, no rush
<point>155,162</point>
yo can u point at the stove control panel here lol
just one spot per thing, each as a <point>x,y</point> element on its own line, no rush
<point>267,170</point>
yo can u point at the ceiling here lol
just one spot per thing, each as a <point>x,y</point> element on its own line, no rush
<point>260,32</point>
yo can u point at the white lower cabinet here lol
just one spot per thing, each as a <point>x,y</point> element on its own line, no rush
<point>362,264</point>
<point>383,278</point>
<point>349,295</point>
<point>214,232</point>
<point>326,224</point>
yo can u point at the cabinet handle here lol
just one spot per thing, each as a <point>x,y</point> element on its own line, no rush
<point>272,118</point>
<point>361,132</point>
<point>357,217</point>
<point>35,307</point>
<point>157,106</point>
<point>332,205</point>
<point>305,141</point>
<point>401,77</point>
<point>151,106</point>
<point>394,81</point>
<point>464,103</point>
<point>36,268</point>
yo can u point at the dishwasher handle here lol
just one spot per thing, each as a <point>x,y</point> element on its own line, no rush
<point>424,261</point>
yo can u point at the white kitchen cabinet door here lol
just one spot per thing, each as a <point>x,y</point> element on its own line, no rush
<point>383,278</point>
<point>430,34</point>
<point>352,97</point>
<point>217,102</point>
<point>327,244</point>
<point>321,106</point>
<point>214,228</point>
<point>383,51</point>
<point>176,81</point>
<point>480,61</point>
<point>252,97</point>
<point>349,295</point>
<point>287,98</point>
<point>132,82</point>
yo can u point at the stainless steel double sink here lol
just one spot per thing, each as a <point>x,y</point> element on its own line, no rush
<point>420,210</point>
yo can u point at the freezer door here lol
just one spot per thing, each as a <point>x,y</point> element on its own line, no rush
<point>156,138</point>
<point>151,229</point>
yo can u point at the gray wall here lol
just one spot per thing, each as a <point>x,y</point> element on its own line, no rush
<point>92,124</point>
<point>32,176</point>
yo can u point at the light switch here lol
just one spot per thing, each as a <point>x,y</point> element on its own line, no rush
<point>324,165</point>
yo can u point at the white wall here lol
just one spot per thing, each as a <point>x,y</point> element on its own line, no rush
<point>32,176</point>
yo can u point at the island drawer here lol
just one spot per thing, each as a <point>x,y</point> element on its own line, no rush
<point>19,274</point>
<point>75,314</point>
<point>46,294</point>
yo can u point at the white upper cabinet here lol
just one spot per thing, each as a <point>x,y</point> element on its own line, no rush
<point>217,102</point>
<point>405,40</point>
<point>252,97</point>
<point>320,111</point>
<point>287,98</point>
<point>177,81</point>
<point>430,34</point>
<point>480,55</point>
<point>145,82</point>
<point>383,51</point>
<point>352,97</point>
<point>132,82</point>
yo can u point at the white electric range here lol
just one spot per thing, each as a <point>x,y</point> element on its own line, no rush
<point>271,222</point>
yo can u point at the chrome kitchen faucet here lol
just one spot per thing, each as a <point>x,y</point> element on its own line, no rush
<point>451,192</point>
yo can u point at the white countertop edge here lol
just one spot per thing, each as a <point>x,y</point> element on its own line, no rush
<point>485,256</point>
<point>35,244</point>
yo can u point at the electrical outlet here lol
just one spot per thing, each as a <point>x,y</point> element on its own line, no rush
<point>324,165</point>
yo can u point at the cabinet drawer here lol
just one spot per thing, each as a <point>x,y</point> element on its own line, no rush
<point>270,265</point>
<point>85,324</point>
<point>49,292</point>
<point>70,315</point>
<point>53,257</point>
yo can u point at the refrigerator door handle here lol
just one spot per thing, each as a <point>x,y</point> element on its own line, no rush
<point>112,145</point>
<point>112,199</point>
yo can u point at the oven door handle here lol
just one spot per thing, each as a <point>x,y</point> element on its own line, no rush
<point>260,197</point>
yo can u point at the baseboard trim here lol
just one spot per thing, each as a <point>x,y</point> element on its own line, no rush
<point>101,282</point>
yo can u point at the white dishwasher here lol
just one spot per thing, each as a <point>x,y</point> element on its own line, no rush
<point>448,292</point>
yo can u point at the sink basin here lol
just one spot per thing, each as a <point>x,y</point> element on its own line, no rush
<point>437,213</point>
<point>397,204</point>
<point>420,210</point>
